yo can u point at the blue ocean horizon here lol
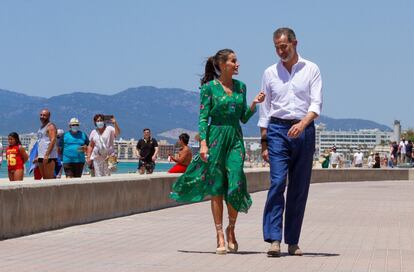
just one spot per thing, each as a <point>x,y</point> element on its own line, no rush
<point>123,168</point>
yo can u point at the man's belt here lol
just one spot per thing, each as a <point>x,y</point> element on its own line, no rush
<point>280,121</point>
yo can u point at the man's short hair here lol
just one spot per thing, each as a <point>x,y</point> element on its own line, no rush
<point>145,129</point>
<point>285,31</point>
<point>184,137</point>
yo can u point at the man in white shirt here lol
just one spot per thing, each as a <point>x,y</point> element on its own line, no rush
<point>371,160</point>
<point>293,89</point>
<point>358,158</point>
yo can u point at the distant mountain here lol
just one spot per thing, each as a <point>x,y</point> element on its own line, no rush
<point>350,124</point>
<point>160,110</point>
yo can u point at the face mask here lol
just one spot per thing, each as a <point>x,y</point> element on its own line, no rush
<point>74,129</point>
<point>100,124</point>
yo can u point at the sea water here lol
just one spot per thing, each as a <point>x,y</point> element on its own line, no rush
<point>123,168</point>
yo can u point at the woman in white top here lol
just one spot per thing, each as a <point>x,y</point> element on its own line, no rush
<point>101,144</point>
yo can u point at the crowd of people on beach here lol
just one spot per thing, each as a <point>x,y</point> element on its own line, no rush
<point>399,154</point>
<point>71,152</point>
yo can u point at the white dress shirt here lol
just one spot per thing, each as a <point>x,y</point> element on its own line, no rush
<point>291,95</point>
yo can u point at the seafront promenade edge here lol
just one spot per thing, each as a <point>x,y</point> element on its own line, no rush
<point>31,206</point>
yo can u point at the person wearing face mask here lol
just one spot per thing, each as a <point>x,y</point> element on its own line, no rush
<point>72,146</point>
<point>101,144</point>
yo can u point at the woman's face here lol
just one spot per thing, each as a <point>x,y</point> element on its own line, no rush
<point>11,140</point>
<point>231,66</point>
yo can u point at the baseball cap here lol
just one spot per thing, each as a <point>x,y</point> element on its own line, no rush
<point>74,121</point>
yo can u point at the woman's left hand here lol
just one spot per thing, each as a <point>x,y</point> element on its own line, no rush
<point>259,97</point>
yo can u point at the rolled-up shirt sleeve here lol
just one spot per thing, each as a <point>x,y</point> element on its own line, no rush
<point>264,107</point>
<point>316,92</point>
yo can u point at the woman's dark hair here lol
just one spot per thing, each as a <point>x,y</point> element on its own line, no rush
<point>96,117</point>
<point>212,65</point>
<point>15,136</point>
<point>184,137</point>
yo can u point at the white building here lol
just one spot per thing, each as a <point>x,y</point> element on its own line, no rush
<point>347,142</point>
<point>126,149</point>
<point>397,131</point>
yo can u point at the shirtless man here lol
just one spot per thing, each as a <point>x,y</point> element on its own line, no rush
<point>184,156</point>
<point>47,150</point>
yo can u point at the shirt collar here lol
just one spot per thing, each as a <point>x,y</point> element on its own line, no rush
<point>300,61</point>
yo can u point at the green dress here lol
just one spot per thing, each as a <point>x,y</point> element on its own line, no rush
<point>223,173</point>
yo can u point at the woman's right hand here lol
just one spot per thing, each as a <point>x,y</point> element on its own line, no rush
<point>259,97</point>
<point>204,153</point>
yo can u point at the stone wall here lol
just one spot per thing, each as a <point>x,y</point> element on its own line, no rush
<point>30,207</point>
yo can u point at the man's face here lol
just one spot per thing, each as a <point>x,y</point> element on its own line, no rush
<point>180,142</point>
<point>147,134</point>
<point>44,116</point>
<point>285,49</point>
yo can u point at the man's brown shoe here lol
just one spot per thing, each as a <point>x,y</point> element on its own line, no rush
<point>274,250</point>
<point>294,250</point>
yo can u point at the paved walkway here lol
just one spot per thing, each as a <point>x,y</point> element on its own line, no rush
<point>348,227</point>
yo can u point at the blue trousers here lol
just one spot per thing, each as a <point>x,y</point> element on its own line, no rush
<point>288,158</point>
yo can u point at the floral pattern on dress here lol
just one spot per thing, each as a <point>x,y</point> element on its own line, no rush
<point>219,125</point>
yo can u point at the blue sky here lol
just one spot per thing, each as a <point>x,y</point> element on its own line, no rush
<point>363,48</point>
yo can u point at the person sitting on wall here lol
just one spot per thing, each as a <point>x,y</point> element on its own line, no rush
<point>184,156</point>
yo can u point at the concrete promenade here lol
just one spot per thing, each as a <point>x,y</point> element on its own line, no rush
<point>350,226</point>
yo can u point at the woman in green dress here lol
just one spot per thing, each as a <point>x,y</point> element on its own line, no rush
<point>218,170</point>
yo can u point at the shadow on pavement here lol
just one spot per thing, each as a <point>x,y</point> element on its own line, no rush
<point>312,254</point>
<point>212,252</point>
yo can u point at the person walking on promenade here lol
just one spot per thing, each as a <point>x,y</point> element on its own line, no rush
<point>183,157</point>
<point>101,144</point>
<point>358,158</point>
<point>147,148</point>
<point>293,89</point>
<point>394,153</point>
<point>324,160</point>
<point>377,161</point>
<point>402,150</point>
<point>218,169</point>
<point>47,149</point>
<point>335,159</point>
<point>408,151</point>
<point>73,145</point>
<point>16,157</point>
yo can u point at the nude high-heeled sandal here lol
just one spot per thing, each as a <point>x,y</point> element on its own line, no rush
<point>221,249</point>
<point>232,246</point>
